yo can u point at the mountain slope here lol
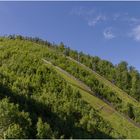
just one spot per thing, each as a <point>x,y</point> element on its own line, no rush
<point>53,108</point>
<point>50,96</point>
<point>106,82</point>
<point>118,121</point>
<point>103,88</point>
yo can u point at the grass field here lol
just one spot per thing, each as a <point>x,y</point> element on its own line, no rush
<point>118,121</point>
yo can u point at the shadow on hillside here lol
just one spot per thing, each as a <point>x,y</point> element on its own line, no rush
<point>37,109</point>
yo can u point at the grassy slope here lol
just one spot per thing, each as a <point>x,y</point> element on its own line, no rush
<point>119,123</point>
<point>120,93</point>
<point>123,95</point>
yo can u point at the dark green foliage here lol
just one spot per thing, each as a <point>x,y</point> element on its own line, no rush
<point>131,111</point>
<point>11,121</point>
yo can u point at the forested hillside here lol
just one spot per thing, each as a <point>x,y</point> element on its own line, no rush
<point>124,76</point>
<point>37,101</point>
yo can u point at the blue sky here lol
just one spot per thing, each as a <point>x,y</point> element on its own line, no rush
<point>110,30</point>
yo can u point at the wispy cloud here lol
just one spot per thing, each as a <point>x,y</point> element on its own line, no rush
<point>91,16</point>
<point>119,20</point>
<point>108,34</point>
<point>82,11</point>
<point>135,34</point>
<point>97,19</point>
<point>134,21</point>
<point>131,20</point>
<point>116,16</point>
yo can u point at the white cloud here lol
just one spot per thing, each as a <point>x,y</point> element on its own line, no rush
<point>134,21</point>
<point>136,33</point>
<point>116,16</point>
<point>97,19</point>
<point>82,11</point>
<point>91,16</point>
<point>108,34</point>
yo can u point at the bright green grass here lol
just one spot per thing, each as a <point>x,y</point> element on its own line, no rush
<point>118,122</point>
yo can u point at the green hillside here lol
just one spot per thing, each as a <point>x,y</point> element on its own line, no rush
<point>119,122</point>
<point>102,87</point>
<point>45,94</point>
